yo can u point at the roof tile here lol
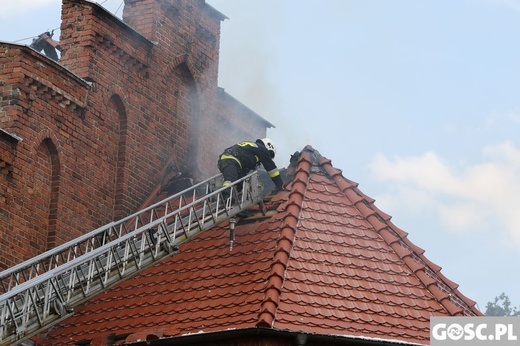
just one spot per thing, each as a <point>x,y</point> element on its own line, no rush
<point>324,260</point>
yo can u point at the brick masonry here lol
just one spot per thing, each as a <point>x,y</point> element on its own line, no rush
<point>84,139</point>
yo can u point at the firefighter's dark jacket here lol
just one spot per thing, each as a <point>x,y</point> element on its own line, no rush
<point>249,156</point>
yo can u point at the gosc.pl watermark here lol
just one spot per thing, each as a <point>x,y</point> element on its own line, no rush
<point>460,331</point>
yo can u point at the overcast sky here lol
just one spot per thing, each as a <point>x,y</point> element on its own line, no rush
<point>417,101</point>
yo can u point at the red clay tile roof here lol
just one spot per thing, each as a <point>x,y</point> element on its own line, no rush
<point>323,260</point>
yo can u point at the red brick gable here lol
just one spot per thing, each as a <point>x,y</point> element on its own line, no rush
<point>322,261</point>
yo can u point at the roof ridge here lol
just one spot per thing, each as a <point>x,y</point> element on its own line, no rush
<point>276,278</point>
<point>428,273</point>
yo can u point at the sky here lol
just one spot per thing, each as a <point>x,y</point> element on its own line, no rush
<point>417,101</point>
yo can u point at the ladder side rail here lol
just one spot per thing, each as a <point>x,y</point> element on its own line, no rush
<point>77,262</point>
<point>134,260</point>
<point>85,258</point>
<point>33,302</point>
<point>87,236</point>
<point>38,259</point>
<point>96,254</point>
<point>146,241</point>
<point>25,327</point>
<point>69,249</point>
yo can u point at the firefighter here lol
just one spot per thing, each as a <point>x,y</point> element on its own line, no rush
<point>238,160</point>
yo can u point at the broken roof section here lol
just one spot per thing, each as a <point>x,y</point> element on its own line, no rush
<point>324,260</point>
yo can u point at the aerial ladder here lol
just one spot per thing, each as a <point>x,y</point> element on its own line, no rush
<point>44,290</point>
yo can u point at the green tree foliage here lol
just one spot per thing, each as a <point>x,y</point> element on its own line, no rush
<point>501,306</point>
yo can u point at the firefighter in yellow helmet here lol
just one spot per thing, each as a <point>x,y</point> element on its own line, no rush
<point>240,159</point>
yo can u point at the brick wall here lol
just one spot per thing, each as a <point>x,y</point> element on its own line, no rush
<point>99,125</point>
<point>43,104</point>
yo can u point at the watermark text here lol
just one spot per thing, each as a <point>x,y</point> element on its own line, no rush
<point>459,331</point>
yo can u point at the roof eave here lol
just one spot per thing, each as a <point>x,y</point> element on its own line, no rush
<point>216,12</point>
<point>256,332</point>
<point>225,95</point>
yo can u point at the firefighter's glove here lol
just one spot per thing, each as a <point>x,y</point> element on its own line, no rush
<point>278,189</point>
